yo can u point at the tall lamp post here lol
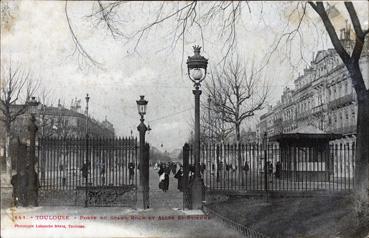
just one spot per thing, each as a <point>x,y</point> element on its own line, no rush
<point>32,190</point>
<point>142,128</point>
<point>197,69</point>
<point>209,120</point>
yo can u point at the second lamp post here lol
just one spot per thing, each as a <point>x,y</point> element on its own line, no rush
<point>197,68</point>
<point>143,164</point>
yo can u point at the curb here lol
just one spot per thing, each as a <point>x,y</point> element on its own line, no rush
<point>245,231</point>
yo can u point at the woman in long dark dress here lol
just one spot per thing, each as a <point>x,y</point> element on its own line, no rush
<point>179,177</point>
<point>166,178</point>
<point>161,181</point>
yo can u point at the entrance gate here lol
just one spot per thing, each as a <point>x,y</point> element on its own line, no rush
<point>89,172</point>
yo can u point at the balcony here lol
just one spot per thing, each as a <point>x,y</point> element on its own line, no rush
<point>287,122</point>
<point>347,130</point>
<point>303,115</point>
<point>340,102</point>
<point>317,109</point>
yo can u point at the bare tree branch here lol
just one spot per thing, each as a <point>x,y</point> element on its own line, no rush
<point>319,8</point>
<point>78,48</point>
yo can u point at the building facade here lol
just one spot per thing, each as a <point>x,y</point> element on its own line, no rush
<point>61,122</point>
<point>323,97</point>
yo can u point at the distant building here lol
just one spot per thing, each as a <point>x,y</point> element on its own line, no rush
<point>248,136</point>
<point>61,122</point>
<point>323,97</point>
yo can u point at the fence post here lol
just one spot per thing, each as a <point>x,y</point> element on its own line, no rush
<point>186,189</point>
<point>265,148</point>
<point>32,188</point>
<point>145,171</point>
<point>85,170</point>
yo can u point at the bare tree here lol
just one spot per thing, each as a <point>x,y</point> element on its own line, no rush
<point>17,86</point>
<point>238,92</point>
<point>213,127</point>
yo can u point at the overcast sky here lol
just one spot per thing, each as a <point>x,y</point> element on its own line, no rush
<point>39,39</point>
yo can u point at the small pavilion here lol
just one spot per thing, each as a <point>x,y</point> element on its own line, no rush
<point>305,154</point>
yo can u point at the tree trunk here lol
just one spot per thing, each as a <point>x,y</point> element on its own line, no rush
<point>8,158</point>
<point>239,160</point>
<point>362,148</point>
<point>362,139</point>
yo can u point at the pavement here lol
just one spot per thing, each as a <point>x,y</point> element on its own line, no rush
<point>173,198</point>
<point>109,222</point>
<point>165,218</point>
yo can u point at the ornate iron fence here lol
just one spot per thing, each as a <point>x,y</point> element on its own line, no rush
<point>90,171</point>
<point>252,167</point>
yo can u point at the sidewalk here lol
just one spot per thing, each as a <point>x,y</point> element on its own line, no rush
<point>109,222</point>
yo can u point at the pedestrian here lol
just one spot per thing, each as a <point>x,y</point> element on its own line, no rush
<point>161,181</point>
<point>161,169</point>
<point>278,168</point>
<point>131,170</point>
<point>191,172</point>
<point>246,167</point>
<point>84,170</point>
<point>174,168</point>
<point>166,178</point>
<point>270,168</point>
<point>102,170</point>
<point>17,190</point>
<point>179,177</point>
<point>161,176</point>
<point>202,167</point>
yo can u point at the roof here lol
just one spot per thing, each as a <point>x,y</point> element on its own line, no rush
<point>305,133</point>
<point>309,129</point>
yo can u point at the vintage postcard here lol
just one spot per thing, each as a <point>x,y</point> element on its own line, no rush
<point>184,119</point>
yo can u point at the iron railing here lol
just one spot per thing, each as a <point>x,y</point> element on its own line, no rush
<point>67,166</point>
<point>254,167</point>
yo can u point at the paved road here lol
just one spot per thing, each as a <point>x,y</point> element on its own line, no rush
<point>159,199</point>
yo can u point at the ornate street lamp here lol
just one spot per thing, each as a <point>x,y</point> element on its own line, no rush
<point>197,69</point>
<point>144,170</point>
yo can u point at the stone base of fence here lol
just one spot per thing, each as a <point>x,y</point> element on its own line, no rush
<point>213,195</point>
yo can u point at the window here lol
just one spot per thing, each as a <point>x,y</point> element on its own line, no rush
<point>353,122</point>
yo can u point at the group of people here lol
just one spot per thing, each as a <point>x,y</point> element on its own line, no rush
<point>165,169</point>
<point>268,167</point>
